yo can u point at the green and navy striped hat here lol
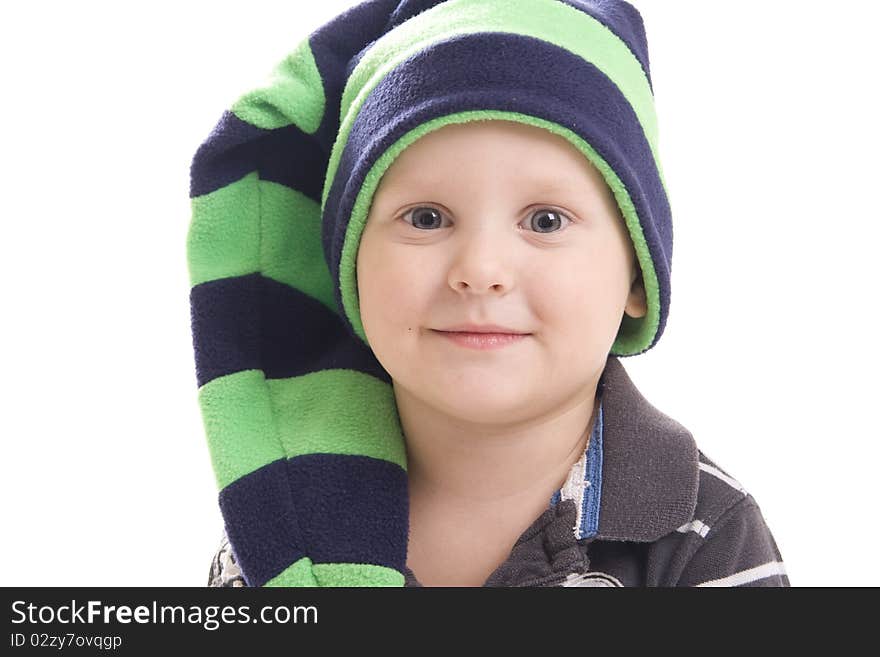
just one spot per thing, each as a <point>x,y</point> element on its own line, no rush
<point>300,417</point>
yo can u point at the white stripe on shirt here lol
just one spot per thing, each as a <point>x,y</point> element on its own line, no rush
<point>723,477</point>
<point>695,525</point>
<point>750,575</point>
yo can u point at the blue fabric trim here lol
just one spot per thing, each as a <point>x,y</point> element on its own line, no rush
<point>591,496</point>
<point>592,473</point>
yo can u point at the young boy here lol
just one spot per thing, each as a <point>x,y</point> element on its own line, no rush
<point>417,254</point>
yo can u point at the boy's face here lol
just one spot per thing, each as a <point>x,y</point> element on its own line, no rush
<point>502,223</point>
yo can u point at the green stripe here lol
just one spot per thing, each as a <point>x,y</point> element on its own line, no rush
<point>633,337</point>
<point>251,421</point>
<point>356,574</point>
<point>549,20</point>
<point>292,251</point>
<point>338,411</point>
<point>227,237</point>
<point>239,425</point>
<point>292,93</point>
<point>298,573</point>
<point>224,232</point>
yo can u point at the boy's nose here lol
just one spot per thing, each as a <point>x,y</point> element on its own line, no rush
<point>481,266</point>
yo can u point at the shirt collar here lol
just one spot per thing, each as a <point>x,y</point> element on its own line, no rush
<point>637,480</point>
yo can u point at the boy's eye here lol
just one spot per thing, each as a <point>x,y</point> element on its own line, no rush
<point>541,221</point>
<point>545,219</point>
<point>424,217</point>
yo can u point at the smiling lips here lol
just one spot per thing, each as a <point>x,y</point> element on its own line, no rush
<point>487,337</point>
<point>482,328</point>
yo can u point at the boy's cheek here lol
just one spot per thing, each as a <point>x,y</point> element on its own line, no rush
<point>393,310</point>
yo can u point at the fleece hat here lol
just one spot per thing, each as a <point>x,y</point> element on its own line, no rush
<point>300,417</point>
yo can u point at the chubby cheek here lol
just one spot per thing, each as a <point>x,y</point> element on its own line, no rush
<point>392,296</point>
<point>582,307</point>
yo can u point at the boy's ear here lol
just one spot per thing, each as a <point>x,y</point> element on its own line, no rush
<point>637,301</point>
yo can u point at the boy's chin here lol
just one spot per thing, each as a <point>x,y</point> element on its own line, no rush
<point>482,406</point>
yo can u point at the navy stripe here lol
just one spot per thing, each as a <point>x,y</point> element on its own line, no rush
<point>352,509</point>
<point>484,71</point>
<point>259,513</point>
<point>287,156</point>
<point>301,335</point>
<point>336,47</point>
<point>620,18</point>
<point>252,322</point>
<point>333,508</point>
<point>225,326</point>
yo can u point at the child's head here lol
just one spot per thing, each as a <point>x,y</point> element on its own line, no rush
<point>495,222</point>
<point>474,99</point>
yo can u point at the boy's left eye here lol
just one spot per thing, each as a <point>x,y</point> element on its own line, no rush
<point>425,217</point>
<point>543,220</point>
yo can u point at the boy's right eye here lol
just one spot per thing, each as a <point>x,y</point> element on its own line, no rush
<point>424,217</point>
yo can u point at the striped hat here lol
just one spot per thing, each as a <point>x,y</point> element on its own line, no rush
<point>300,417</point>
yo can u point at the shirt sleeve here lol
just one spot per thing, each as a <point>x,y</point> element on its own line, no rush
<point>225,571</point>
<point>738,550</point>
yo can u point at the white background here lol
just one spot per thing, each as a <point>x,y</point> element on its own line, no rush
<point>769,142</point>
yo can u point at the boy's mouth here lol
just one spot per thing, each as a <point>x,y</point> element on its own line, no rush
<point>482,340</point>
<point>494,329</point>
